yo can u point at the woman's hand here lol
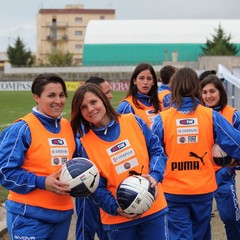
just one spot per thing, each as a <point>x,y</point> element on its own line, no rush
<point>127,215</point>
<point>153,183</point>
<point>52,184</point>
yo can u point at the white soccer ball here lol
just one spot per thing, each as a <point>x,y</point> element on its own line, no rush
<point>220,157</point>
<point>135,195</point>
<point>82,176</point>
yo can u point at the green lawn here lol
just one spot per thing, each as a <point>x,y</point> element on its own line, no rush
<point>16,104</point>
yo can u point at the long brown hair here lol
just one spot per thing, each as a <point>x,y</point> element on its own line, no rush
<point>153,93</point>
<point>185,83</point>
<point>78,122</point>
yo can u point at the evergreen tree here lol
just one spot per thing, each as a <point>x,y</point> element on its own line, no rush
<point>18,55</point>
<point>220,45</point>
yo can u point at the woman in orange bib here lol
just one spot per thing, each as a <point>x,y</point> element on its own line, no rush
<point>188,131</point>
<point>142,96</point>
<point>33,150</point>
<point>214,96</point>
<point>120,145</point>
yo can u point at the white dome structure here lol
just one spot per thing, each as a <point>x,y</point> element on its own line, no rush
<point>124,42</point>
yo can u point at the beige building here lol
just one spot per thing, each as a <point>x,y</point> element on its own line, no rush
<point>64,29</point>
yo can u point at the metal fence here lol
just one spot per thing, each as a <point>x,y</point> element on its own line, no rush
<point>232,83</point>
<point>233,93</point>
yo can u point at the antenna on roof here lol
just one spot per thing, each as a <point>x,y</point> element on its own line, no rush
<point>41,5</point>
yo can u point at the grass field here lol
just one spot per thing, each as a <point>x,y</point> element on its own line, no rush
<point>16,104</point>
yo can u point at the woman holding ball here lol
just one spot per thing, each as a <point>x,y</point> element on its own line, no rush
<point>118,152</point>
<point>214,96</point>
<point>33,150</point>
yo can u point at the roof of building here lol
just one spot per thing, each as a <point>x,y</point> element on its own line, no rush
<point>3,57</point>
<point>159,31</point>
<point>76,11</point>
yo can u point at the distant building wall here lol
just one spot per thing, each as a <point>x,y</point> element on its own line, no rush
<point>211,62</point>
<point>3,59</point>
<point>113,73</point>
<point>64,29</point>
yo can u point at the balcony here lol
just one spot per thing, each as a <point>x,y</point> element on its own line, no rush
<point>63,37</point>
<point>57,25</point>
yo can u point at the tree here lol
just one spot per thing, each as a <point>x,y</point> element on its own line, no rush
<point>58,58</point>
<point>220,45</point>
<point>18,55</point>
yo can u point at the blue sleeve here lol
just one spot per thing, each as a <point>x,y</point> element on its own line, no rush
<point>226,136</point>
<point>124,107</point>
<point>236,120</point>
<point>157,128</point>
<point>156,151</point>
<point>102,196</point>
<point>167,100</point>
<point>14,143</point>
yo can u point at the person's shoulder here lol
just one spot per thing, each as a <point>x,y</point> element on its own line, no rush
<point>231,108</point>
<point>123,102</point>
<point>128,116</point>
<point>123,107</point>
<point>64,120</point>
<point>139,120</point>
<point>15,128</point>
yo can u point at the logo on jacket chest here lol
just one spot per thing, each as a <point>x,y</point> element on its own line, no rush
<point>119,146</point>
<point>58,150</point>
<point>187,130</point>
<point>123,156</point>
<point>57,142</point>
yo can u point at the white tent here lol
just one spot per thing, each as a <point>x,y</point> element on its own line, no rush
<point>159,31</point>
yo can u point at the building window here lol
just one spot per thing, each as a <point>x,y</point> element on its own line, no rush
<point>54,29</point>
<point>102,17</point>
<point>54,21</point>
<point>78,33</point>
<point>78,19</point>
<point>78,47</point>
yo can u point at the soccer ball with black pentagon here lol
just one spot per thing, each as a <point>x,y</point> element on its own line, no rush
<point>82,175</point>
<point>135,195</point>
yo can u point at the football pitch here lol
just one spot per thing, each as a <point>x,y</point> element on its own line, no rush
<point>16,104</point>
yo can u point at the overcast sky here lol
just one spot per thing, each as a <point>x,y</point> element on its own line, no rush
<point>18,18</point>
